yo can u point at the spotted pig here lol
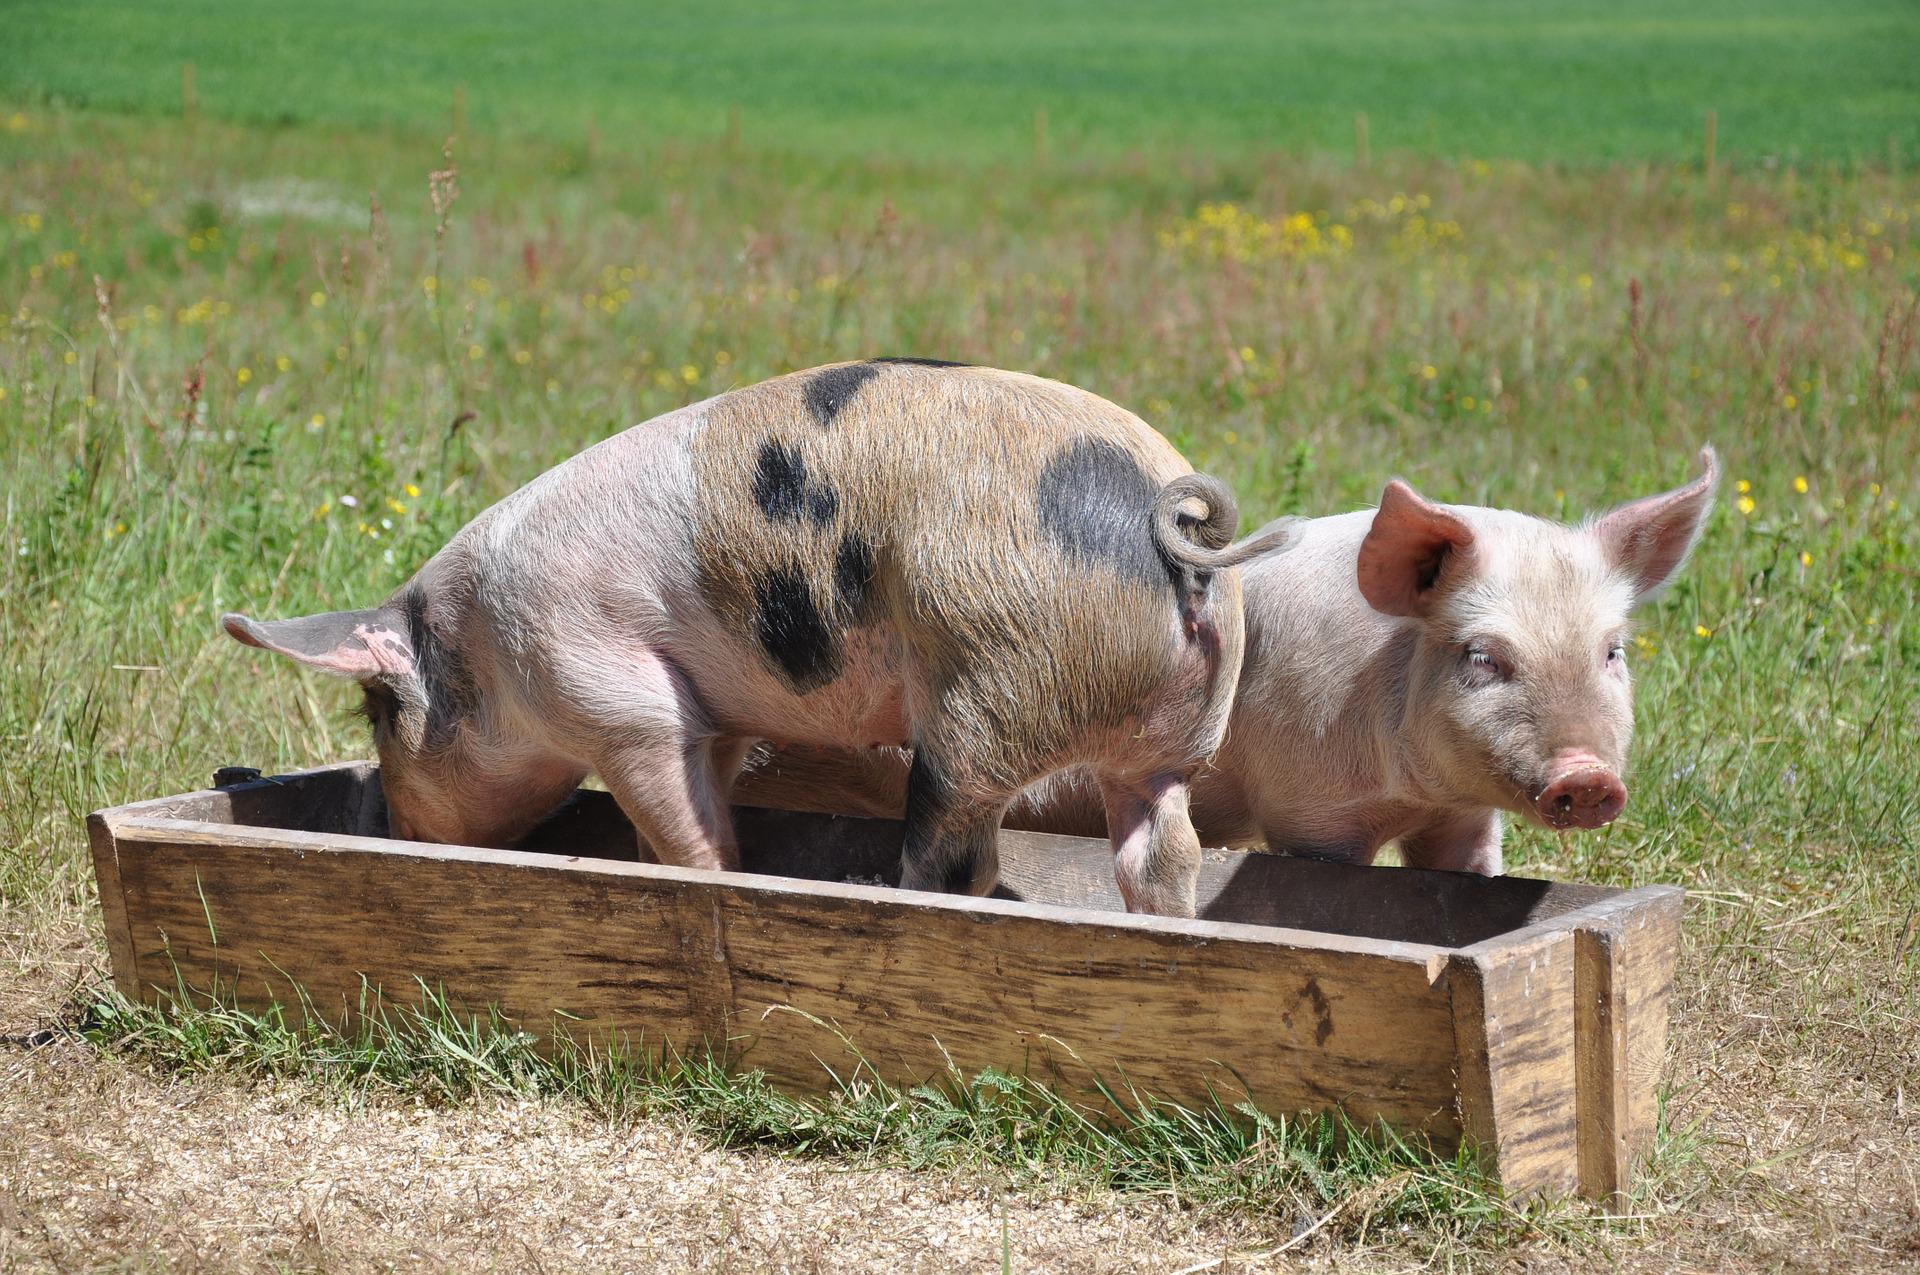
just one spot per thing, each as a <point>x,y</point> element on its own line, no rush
<point>1007,575</point>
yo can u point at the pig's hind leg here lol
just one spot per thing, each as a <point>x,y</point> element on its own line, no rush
<point>953,829</point>
<point>1156,853</point>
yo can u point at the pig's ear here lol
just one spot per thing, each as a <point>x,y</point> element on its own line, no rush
<point>1649,539</point>
<point>1401,557</point>
<point>367,646</point>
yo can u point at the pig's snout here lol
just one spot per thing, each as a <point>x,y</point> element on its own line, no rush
<point>1582,792</point>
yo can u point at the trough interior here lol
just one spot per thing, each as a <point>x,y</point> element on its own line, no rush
<point>1443,909</point>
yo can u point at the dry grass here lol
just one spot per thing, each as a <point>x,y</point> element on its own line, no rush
<point>1792,1143</point>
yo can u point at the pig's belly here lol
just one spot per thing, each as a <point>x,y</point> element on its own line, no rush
<point>864,705</point>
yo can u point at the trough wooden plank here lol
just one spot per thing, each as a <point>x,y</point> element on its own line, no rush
<point>113,905</point>
<point>1646,954</point>
<point>1517,1072</point>
<point>535,941</point>
<point>793,973</point>
<point>1170,1010</point>
<point>1604,1104</point>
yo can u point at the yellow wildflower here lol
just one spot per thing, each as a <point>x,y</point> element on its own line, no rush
<point>1806,559</point>
<point>412,491</point>
<point>283,363</point>
<point>244,375</point>
<point>1701,630</point>
<point>1800,484</point>
<point>317,299</point>
<point>318,420</point>
<point>1744,504</point>
<point>1743,486</point>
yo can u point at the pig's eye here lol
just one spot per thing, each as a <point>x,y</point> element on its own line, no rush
<point>1484,666</point>
<point>1616,654</point>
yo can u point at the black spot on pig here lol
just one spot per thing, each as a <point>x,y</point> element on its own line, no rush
<point>830,390</point>
<point>783,489</point>
<point>451,695</point>
<point>913,362</point>
<point>1096,504</point>
<point>930,791</point>
<point>853,575</point>
<point>780,481</point>
<point>792,631</point>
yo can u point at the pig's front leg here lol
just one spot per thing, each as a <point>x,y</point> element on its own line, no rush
<point>1468,841</point>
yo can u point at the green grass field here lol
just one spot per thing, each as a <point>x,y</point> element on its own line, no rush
<point>248,364</point>
<point>1554,81</point>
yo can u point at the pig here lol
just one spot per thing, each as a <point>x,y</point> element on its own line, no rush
<point>1413,674</point>
<point>1007,574</point>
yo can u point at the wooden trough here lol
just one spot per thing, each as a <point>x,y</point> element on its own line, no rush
<point>1525,1017</point>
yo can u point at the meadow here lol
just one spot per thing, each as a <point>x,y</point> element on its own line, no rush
<point>273,361</point>
<point>1546,80</point>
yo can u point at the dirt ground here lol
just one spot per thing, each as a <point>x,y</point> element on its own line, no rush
<point>1806,1155</point>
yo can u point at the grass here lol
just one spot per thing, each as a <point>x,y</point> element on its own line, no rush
<point>229,378</point>
<point>1550,82</point>
<point>1220,1158</point>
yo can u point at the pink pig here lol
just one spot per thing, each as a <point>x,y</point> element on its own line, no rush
<point>1411,673</point>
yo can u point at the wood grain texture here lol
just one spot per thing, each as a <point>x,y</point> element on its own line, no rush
<point>1525,1016</point>
<point>113,904</point>
<point>1512,1020</point>
<point>1651,934</point>
<point>1623,979</point>
<point>799,978</point>
<point>1604,1093</point>
<point>1173,1009</point>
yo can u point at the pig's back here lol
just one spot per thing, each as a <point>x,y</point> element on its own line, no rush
<point>834,518</point>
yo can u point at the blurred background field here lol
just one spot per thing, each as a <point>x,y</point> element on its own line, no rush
<point>1556,81</point>
<point>277,326</point>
